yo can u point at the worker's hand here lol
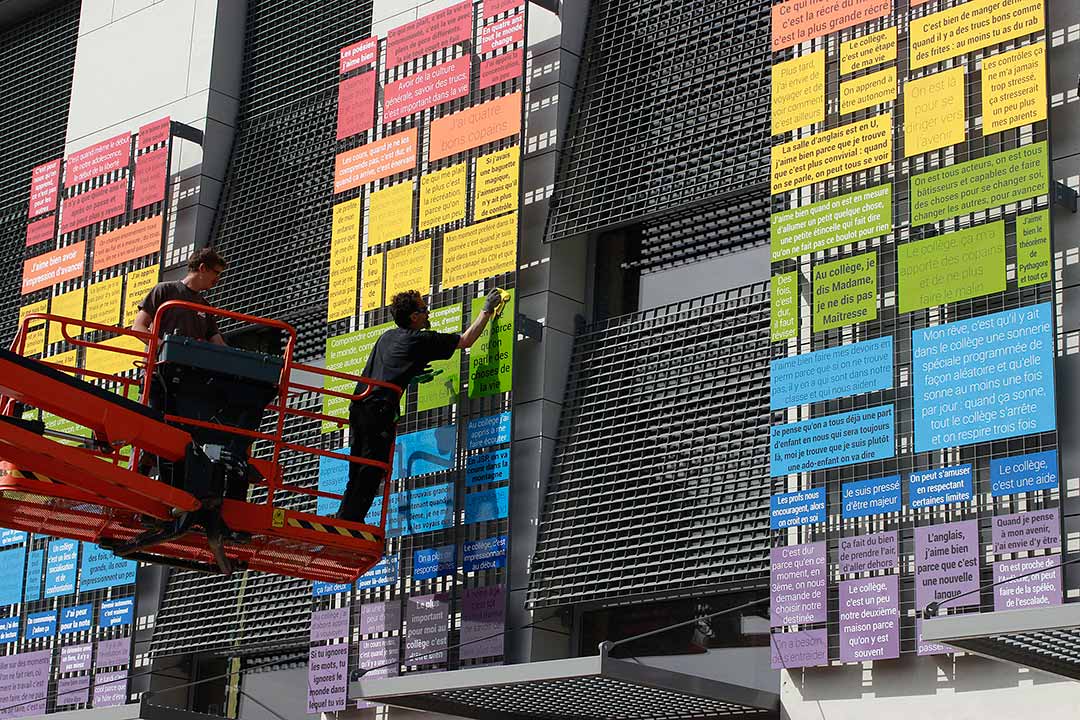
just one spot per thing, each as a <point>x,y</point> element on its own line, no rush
<point>492,301</point>
<point>427,375</point>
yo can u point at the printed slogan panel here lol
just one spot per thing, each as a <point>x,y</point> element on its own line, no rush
<point>426,197</point>
<point>912,322</point>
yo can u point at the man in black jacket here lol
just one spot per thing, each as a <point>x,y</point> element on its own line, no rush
<point>399,355</point>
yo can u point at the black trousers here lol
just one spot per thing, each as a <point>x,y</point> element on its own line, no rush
<point>371,424</point>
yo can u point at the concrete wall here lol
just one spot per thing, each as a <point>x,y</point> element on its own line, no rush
<point>703,278</point>
<point>139,60</point>
<point>969,688</point>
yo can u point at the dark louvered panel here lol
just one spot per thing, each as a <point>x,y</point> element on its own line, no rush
<point>37,61</point>
<point>275,218</point>
<point>672,109</point>
<point>733,224</point>
<point>273,227</point>
<point>659,483</point>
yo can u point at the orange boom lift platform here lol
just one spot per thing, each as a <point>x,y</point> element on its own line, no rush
<point>213,405</point>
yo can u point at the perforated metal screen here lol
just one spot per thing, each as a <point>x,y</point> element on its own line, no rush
<point>250,612</point>
<point>37,60</point>
<point>889,320</point>
<point>671,109</point>
<point>587,698</point>
<point>273,227</point>
<point>660,480</point>
<point>700,233</point>
<point>586,688</point>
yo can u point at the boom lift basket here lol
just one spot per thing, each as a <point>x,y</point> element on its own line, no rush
<point>212,405</point>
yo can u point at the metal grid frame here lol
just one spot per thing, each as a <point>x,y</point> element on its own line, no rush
<point>457,414</point>
<point>250,612</point>
<point>44,47</point>
<point>275,217</point>
<point>659,483</point>
<point>273,226</point>
<point>587,688</point>
<point>890,321</point>
<point>672,108</point>
<point>38,61</point>
<point>1046,638</point>
<point>285,148</point>
<point>718,228</point>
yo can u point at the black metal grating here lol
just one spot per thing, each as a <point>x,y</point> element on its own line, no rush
<point>901,326</point>
<point>1052,651</point>
<point>586,698</point>
<point>672,108</point>
<point>274,221</point>
<point>37,62</point>
<point>249,612</point>
<point>291,49</point>
<point>273,226</point>
<point>659,483</point>
<point>700,233</point>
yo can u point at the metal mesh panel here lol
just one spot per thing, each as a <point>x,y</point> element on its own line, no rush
<point>575,689</point>
<point>671,109</point>
<point>273,226</point>
<point>592,698</point>
<point>274,220</point>
<point>55,603</point>
<point>250,612</point>
<point>659,483</point>
<point>37,60</point>
<point>890,321</point>
<point>291,49</point>
<point>727,226</point>
<point>1054,651</point>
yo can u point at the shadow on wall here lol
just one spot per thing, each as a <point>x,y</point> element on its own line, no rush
<point>912,676</point>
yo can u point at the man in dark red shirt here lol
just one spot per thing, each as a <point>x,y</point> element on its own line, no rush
<point>399,355</point>
<point>204,269</point>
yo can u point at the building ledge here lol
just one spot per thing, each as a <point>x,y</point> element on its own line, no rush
<point>1046,639</point>
<point>143,710</point>
<point>585,688</point>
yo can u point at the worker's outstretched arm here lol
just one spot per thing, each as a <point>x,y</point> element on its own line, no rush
<point>142,321</point>
<point>217,339</point>
<point>473,332</point>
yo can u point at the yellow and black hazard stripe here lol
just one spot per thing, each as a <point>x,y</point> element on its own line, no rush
<point>25,496</point>
<point>28,475</point>
<point>319,527</point>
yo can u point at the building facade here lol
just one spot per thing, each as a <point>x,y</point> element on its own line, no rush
<point>709,426</point>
